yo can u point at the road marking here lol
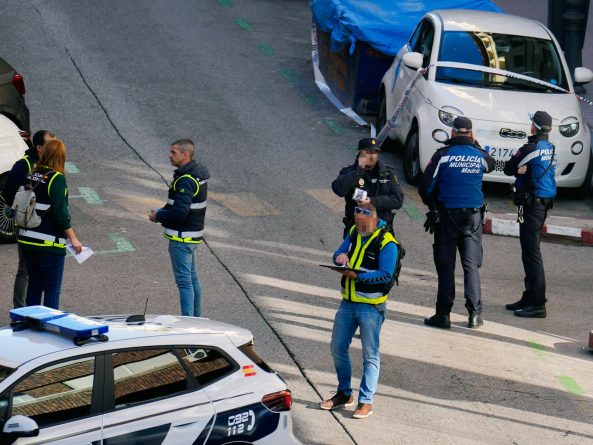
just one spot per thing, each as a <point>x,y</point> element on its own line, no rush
<point>570,385</point>
<point>537,347</point>
<point>243,24</point>
<point>328,198</point>
<point>414,213</point>
<point>90,195</point>
<point>265,49</point>
<point>288,74</point>
<point>225,3</point>
<point>311,99</point>
<point>333,126</point>
<point>121,245</point>
<point>244,204</point>
<point>71,168</point>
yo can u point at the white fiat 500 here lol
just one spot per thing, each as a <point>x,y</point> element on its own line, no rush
<point>478,49</point>
<point>165,380</point>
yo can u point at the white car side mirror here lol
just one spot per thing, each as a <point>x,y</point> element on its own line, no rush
<point>413,60</point>
<point>581,75</point>
<point>20,426</point>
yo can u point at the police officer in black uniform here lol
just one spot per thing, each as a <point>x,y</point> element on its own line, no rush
<point>451,187</point>
<point>368,181</point>
<point>534,167</point>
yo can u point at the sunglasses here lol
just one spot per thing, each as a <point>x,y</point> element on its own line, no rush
<point>365,212</point>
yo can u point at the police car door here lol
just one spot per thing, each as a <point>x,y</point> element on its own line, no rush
<point>63,398</point>
<point>151,399</point>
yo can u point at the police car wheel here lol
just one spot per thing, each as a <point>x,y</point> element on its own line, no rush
<point>412,157</point>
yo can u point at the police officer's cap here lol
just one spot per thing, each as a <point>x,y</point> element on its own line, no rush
<point>462,125</point>
<point>541,119</point>
<point>368,144</point>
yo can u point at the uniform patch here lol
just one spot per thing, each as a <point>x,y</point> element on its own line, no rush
<point>360,182</point>
<point>181,190</point>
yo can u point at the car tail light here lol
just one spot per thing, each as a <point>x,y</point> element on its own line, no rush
<point>19,83</point>
<point>278,401</point>
<point>26,138</point>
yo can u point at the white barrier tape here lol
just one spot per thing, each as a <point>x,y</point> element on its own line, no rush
<point>322,84</point>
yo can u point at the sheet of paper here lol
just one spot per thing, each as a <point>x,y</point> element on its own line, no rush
<point>82,256</point>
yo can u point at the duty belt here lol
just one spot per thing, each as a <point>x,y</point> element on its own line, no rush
<point>457,211</point>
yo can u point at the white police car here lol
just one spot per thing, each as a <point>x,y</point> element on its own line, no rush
<point>476,61</point>
<point>166,380</point>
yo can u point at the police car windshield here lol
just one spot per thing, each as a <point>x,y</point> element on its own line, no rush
<point>529,56</point>
<point>5,372</point>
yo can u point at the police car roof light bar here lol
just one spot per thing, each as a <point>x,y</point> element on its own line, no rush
<point>79,329</point>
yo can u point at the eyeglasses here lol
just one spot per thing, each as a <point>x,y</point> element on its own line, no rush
<point>365,212</point>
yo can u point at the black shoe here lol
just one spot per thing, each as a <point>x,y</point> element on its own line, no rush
<point>531,312</point>
<point>438,321</point>
<point>474,320</point>
<point>516,305</point>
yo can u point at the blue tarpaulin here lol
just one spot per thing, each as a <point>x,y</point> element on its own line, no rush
<point>383,24</point>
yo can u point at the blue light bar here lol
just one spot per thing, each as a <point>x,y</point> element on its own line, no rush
<point>79,329</point>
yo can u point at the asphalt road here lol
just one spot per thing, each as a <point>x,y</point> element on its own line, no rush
<point>119,80</point>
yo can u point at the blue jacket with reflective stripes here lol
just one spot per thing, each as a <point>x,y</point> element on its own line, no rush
<point>453,177</point>
<point>537,155</point>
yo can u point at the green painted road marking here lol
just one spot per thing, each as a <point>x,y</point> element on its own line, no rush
<point>121,245</point>
<point>570,385</point>
<point>311,99</point>
<point>71,168</point>
<point>244,24</point>
<point>288,74</point>
<point>537,347</point>
<point>414,213</point>
<point>265,49</point>
<point>90,195</point>
<point>333,126</point>
<point>225,3</point>
<point>354,149</point>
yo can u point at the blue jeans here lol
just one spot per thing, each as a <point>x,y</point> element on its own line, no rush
<point>183,259</point>
<point>45,277</point>
<point>370,319</point>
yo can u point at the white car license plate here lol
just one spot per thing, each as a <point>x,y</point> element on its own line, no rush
<point>501,152</point>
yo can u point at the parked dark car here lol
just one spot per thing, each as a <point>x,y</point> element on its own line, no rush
<point>12,96</point>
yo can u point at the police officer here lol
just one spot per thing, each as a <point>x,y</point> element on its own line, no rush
<point>451,187</point>
<point>534,167</point>
<point>368,181</point>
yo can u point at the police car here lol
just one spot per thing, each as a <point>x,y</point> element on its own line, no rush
<point>148,380</point>
<point>495,69</point>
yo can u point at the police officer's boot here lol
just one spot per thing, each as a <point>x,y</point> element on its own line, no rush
<point>438,321</point>
<point>474,320</point>
<point>531,312</point>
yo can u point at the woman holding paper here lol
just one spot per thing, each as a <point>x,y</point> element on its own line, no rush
<point>44,246</point>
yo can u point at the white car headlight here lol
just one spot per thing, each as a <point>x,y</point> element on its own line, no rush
<point>447,118</point>
<point>570,128</point>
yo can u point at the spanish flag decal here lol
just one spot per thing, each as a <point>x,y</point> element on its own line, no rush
<point>249,370</point>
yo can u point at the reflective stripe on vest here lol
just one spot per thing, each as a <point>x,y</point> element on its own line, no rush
<point>184,237</point>
<point>41,206</point>
<point>349,291</point>
<point>195,205</point>
<point>49,240</point>
<point>26,158</point>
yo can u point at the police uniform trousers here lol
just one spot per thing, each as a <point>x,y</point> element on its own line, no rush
<point>463,232</point>
<point>534,217</point>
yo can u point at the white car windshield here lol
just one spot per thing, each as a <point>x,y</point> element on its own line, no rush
<point>528,56</point>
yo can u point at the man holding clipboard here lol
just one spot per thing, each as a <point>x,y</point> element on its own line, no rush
<point>366,259</point>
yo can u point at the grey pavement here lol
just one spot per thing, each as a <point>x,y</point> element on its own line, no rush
<point>119,80</point>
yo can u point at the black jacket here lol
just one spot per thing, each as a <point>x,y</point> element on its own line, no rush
<point>18,174</point>
<point>380,184</point>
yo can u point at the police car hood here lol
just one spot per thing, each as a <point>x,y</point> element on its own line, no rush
<point>508,107</point>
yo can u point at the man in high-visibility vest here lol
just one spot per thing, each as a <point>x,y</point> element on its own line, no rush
<point>370,253</point>
<point>183,220</point>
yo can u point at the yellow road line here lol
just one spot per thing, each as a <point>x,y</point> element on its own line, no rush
<point>244,204</point>
<point>328,198</point>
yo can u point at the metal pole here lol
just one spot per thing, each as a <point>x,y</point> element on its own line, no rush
<point>574,19</point>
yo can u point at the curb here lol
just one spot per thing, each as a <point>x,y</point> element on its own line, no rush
<point>508,227</point>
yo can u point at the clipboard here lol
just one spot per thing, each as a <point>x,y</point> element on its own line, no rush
<point>340,268</point>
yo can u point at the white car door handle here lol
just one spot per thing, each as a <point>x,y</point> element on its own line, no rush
<point>185,423</point>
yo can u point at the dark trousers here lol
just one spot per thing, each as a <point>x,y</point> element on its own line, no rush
<point>19,296</point>
<point>529,234</point>
<point>45,277</point>
<point>463,232</point>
